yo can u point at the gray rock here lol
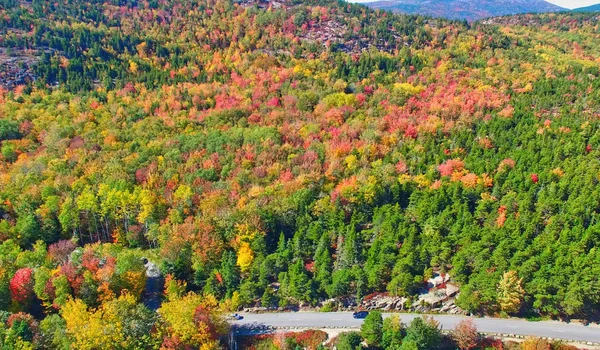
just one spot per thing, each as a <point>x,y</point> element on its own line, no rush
<point>451,290</point>
<point>152,270</point>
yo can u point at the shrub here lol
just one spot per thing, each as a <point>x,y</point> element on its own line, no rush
<point>536,344</point>
<point>349,341</point>
<point>465,334</point>
<point>309,339</point>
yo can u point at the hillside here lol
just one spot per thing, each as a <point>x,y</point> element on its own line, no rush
<point>287,154</point>
<point>465,9</point>
<point>593,8</point>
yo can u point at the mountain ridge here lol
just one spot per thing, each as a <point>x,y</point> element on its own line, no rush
<point>464,9</point>
<point>591,8</point>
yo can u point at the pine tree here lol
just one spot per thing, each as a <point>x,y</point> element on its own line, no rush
<point>300,286</point>
<point>424,332</point>
<point>323,263</point>
<point>230,272</point>
<point>372,329</point>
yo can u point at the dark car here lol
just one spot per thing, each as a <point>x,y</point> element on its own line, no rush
<point>360,314</point>
<point>235,317</point>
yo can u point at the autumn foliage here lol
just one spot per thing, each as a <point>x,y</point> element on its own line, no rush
<point>21,286</point>
<point>283,153</point>
<point>465,335</point>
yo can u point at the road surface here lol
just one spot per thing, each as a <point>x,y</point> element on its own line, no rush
<point>557,330</point>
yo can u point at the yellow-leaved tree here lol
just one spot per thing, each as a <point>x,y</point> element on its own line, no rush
<point>192,320</point>
<point>245,256</point>
<point>510,292</point>
<point>119,323</point>
<point>174,289</point>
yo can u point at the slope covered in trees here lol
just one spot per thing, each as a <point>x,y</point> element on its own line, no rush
<point>465,9</point>
<point>593,8</point>
<point>269,153</point>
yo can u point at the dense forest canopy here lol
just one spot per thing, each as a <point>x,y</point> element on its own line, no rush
<point>276,153</point>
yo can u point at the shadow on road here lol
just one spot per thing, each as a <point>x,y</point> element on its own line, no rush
<point>153,290</point>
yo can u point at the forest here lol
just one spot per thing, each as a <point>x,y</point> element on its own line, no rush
<point>284,153</point>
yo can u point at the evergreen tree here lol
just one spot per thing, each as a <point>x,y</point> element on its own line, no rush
<point>424,333</point>
<point>372,329</point>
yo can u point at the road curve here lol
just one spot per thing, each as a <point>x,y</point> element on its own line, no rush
<point>551,329</point>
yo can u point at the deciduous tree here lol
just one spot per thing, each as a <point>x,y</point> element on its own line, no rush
<point>465,334</point>
<point>510,292</point>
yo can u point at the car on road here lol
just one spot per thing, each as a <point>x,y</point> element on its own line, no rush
<point>360,314</point>
<point>236,317</point>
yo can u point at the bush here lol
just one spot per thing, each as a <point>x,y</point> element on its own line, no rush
<point>310,339</point>
<point>409,345</point>
<point>560,346</point>
<point>536,344</point>
<point>491,344</point>
<point>465,334</point>
<point>349,341</point>
<point>327,307</point>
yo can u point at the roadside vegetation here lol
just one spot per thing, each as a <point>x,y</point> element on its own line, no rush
<point>392,334</point>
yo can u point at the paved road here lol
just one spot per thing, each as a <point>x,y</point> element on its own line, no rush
<point>551,329</point>
<point>154,289</point>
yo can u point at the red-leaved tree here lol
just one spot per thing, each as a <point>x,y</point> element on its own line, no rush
<point>465,334</point>
<point>535,178</point>
<point>21,286</point>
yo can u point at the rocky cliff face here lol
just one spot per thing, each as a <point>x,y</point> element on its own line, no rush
<point>16,68</point>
